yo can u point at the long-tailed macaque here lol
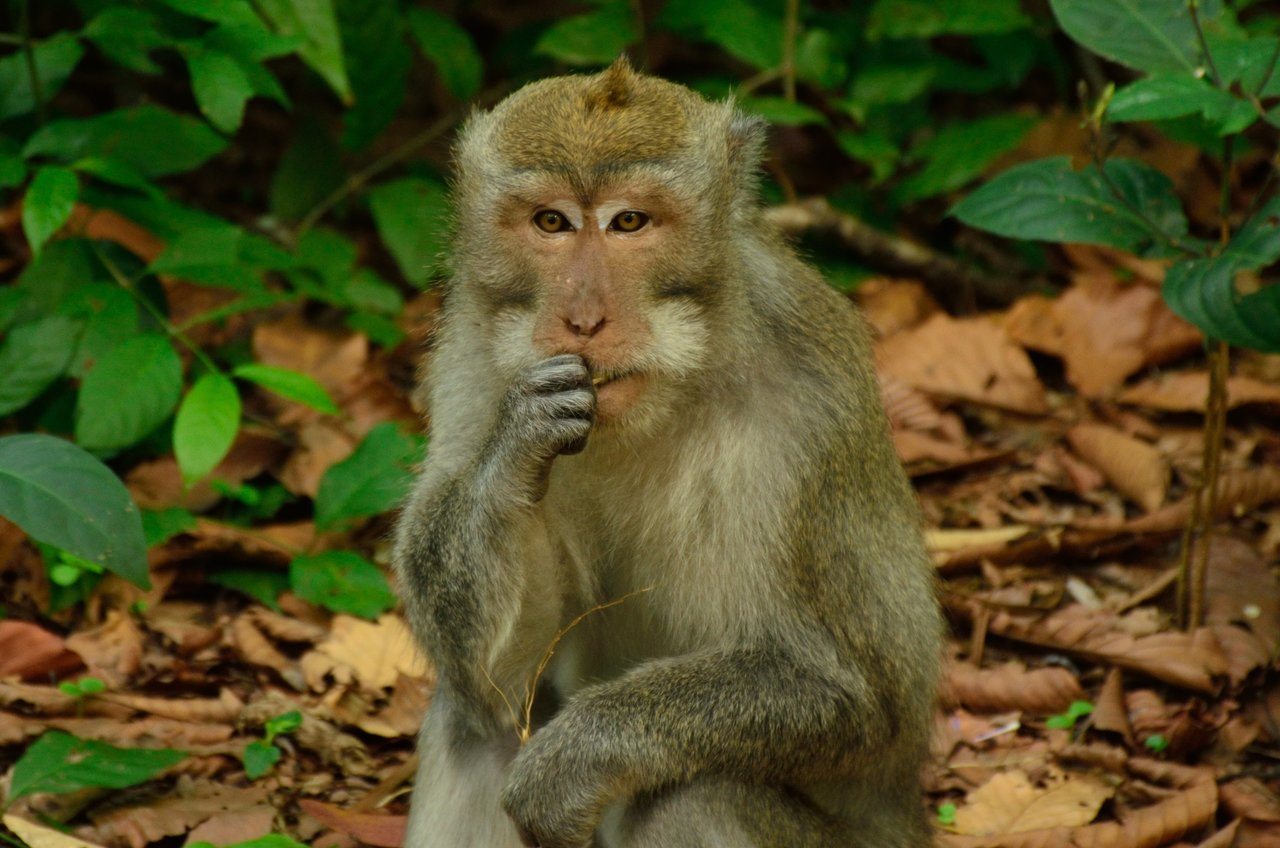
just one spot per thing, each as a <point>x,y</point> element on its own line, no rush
<point>639,392</point>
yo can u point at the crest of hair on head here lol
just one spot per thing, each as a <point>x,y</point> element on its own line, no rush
<point>613,88</point>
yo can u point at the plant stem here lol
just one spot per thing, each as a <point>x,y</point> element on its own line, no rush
<point>29,53</point>
<point>1194,7</point>
<point>789,50</point>
<point>642,41</point>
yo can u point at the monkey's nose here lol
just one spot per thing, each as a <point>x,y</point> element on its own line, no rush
<point>584,326</point>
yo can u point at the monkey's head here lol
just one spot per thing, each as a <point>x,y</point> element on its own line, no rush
<point>594,216</point>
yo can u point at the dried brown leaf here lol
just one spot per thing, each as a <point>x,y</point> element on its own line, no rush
<point>39,836</point>
<point>112,651</point>
<point>970,359</point>
<point>1009,803</point>
<point>1239,492</point>
<point>157,483</point>
<point>284,627</point>
<point>1109,712</point>
<point>374,654</point>
<point>1240,588</point>
<point>891,305</point>
<point>1187,391</point>
<point>29,651</point>
<point>226,707</point>
<point>232,828</point>
<point>1009,687</point>
<point>1250,798</point>
<point>376,829</point>
<point>1134,467</point>
<point>195,802</point>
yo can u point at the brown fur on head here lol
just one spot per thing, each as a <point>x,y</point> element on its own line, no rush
<point>590,148</point>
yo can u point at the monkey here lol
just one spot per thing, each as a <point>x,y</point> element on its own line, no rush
<point>643,402</point>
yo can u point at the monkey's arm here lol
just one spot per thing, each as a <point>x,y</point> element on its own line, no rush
<point>757,715</point>
<point>472,549</point>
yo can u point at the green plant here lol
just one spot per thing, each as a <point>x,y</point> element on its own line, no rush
<point>946,814</point>
<point>1198,64</point>
<point>260,756</point>
<point>59,762</point>
<point>1067,720</point>
<point>1156,743</point>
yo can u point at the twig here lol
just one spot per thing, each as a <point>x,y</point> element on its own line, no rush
<point>789,50</point>
<point>890,254</point>
<point>526,730</point>
<point>29,53</point>
<point>375,797</point>
<point>760,80</point>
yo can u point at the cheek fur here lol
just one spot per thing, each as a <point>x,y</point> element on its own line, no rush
<point>511,335</point>
<point>678,338</point>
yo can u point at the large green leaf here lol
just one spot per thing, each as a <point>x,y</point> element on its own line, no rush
<point>33,356</point>
<point>1156,36</point>
<point>341,581</point>
<point>931,18</point>
<point>750,31</point>
<point>960,152</point>
<point>273,840</point>
<point>1049,201</point>
<point>412,217</point>
<point>221,86</point>
<point>59,762</point>
<point>1205,292</point>
<point>288,384</point>
<point>109,315</point>
<point>48,204</point>
<point>128,393</point>
<point>154,141</point>
<point>205,426</point>
<point>314,21</point>
<point>309,170</point>
<point>54,58</point>
<point>594,38</point>
<point>378,61</point>
<point>779,110</point>
<point>217,11</point>
<point>1173,96</point>
<point>372,480</point>
<point>451,49</point>
<point>63,496</point>
<point>128,36</point>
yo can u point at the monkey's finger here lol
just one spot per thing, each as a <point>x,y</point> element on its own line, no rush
<point>560,373</point>
<point>578,445</point>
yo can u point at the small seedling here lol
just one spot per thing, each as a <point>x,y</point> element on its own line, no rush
<point>946,814</point>
<point>1067,720</point>
<point>81,688</point>
<point>261,756</point>
<point>1156,743</point>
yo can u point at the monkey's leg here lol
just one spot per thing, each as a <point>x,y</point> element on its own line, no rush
<point>459,781</point>
<point>724,814</point>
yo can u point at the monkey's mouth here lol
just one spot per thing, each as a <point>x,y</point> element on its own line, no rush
<point>603,376</point>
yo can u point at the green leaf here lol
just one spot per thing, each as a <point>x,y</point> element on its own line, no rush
<point>946,814</point>
<point>273,840</point>
<point>1161,97</point>
<point>259,758</point>
<point>1156,36</point>
<point>59,762</point>
<point>779,110</point>
<point>115,172</point>
<point>1204,291</point>
<point>283,723</point>
<point>55,59</point>
<point>372,480</point>
<point>161,525</point>
<point>893,82</point>
<point>205,426</point>
<point>32,357</point>
<point>412,217</point>
<point>931,18</point>
<point>109,315</point>
<point>1049,201</point>
<point>873,150</point>
<point>221,87</point>
<point>315,22</point>
<point>820,59</point>
<point>128,393</point>
<point>289,384</point>
<point>265,587</point>
<point>1156,742</point>
<point>13,170</point>
<point>450,49</point>
<point>378,61</point>
<point>752,32</point>
<point>309,170</point>
<point>128,37</point>
<point>960,152</point>
<point>152,140</point>
<point>343,582</point>
<point>594,38</point>
<point>217,11</point>
<point>48,204</point>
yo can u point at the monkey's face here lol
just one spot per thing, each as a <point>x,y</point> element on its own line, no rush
<point>598,275</point>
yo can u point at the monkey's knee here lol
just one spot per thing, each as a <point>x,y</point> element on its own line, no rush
<point>723,814</point>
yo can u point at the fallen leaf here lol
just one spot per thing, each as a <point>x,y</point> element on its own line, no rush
<point>376,829</point>
<point>969,359</point>
<point>1134,467</point>
<point>373,653</point>
<point>29,651</point>
<point>157,483</point>
<point>1008,803</point>
<point>958,539</point>
<point>232,828</point>
<point>1188,391</point>
<point>1240,588</point>
<point>334,359</point>
<point>194,803</point>
<point>1109,712</point>
<point>1009,687</point>
<point>891,305</point>
<point>39,836</point>
<point>111,651</point>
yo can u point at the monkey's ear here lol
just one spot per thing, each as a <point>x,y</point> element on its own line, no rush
<point>748,135</point>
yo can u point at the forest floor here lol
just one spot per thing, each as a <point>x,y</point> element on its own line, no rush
<point>1053,445</point>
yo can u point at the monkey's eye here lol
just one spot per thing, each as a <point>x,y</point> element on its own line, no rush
<point>629,221</point>
<point>551,221</point>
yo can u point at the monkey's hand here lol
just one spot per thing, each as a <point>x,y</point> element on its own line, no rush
<point>556,791</point>
<point>547,411</point>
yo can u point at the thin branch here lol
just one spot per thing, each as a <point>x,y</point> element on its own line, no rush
<point>29,53</point>
<point>1194,7</point>
<point>890,254</point>
<point>789,50</point>
<point>9,38</point>
<point>760,80</point>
